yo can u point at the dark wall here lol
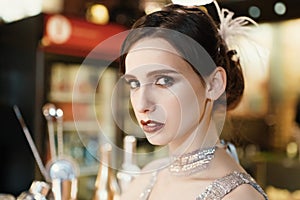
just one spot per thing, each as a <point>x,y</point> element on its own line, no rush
<point>20,84</point>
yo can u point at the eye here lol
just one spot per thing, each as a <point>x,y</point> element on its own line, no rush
<point>164,81</point>
<point>133,84</point>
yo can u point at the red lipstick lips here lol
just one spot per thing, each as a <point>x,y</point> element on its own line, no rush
<point>151,126</point>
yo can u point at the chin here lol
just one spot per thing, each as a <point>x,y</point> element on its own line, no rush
<point>155,140</point>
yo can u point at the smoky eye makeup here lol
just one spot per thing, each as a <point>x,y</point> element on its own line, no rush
<point>133,83</point>
<point>164,81</point>
<point>162,78</point>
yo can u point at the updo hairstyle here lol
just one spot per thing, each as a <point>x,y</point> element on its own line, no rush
<point>197,24</point>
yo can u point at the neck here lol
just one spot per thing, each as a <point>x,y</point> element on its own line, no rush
<point>201,137</point>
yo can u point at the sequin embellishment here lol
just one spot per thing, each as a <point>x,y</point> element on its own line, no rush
<point>221,187</point>
<point>187,164</point>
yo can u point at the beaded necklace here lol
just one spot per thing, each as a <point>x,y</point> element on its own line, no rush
<point>193,162</point>
<point>183,165</point>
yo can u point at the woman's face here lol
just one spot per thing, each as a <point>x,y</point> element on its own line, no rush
<point>167,96</point>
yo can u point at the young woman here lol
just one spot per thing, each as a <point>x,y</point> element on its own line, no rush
<point>183,78</point>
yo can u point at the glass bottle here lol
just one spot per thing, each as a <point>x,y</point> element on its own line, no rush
<point>106,185</point>
<point>37,191</point>
<point>129,167</point>
<point>4,196</point>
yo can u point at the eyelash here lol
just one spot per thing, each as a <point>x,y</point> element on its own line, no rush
<point>167,81</point>
<point>133,81</point>
<point>162,81</point>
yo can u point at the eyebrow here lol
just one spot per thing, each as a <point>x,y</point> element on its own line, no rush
<point>153,73</point>
<point>162,71</point>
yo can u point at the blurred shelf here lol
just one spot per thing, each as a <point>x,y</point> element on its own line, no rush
<point>82,126</point>
<point>67,97</point>
<point>89,170</point>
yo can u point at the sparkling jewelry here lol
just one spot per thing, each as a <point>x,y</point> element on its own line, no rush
<point>190,163</point>
<point>223,186</point>
<point>146,193</point>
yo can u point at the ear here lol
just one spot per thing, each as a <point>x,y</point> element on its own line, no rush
<point>216,83</point>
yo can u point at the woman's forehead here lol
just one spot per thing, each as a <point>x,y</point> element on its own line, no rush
<point>154,52</point>
<point>146,61</point>
<point>158,44</point>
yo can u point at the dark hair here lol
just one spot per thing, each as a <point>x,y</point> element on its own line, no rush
<point>198,25</point>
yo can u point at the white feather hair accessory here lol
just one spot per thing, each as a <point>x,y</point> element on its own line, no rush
<point>231,28</point>
<point>238,34</point>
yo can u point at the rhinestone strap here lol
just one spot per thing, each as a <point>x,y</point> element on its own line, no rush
<point>221,187</point>
<point>187,164</point>
<point>146,193</point>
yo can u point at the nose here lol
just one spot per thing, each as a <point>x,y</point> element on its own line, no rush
<point>143,99</point>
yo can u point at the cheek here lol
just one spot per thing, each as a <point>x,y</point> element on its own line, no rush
<point>172,109</point>
<point>133,102</point>
<point>190,106</point>
<point>190,99</point>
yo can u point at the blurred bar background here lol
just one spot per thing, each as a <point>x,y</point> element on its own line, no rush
<point>44,43</point>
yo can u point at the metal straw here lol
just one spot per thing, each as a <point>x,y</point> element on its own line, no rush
<point>60,142</point>
<point>49,111</point>
<point>31,144</point>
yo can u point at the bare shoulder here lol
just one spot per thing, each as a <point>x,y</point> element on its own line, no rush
<point>136,187</point>
<point>139,184</point>
<point>245,192</point>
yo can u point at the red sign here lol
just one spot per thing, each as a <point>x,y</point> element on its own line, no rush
<point>77,37</point>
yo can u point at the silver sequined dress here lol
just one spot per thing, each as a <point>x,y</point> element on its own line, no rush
<point>218,189</point>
